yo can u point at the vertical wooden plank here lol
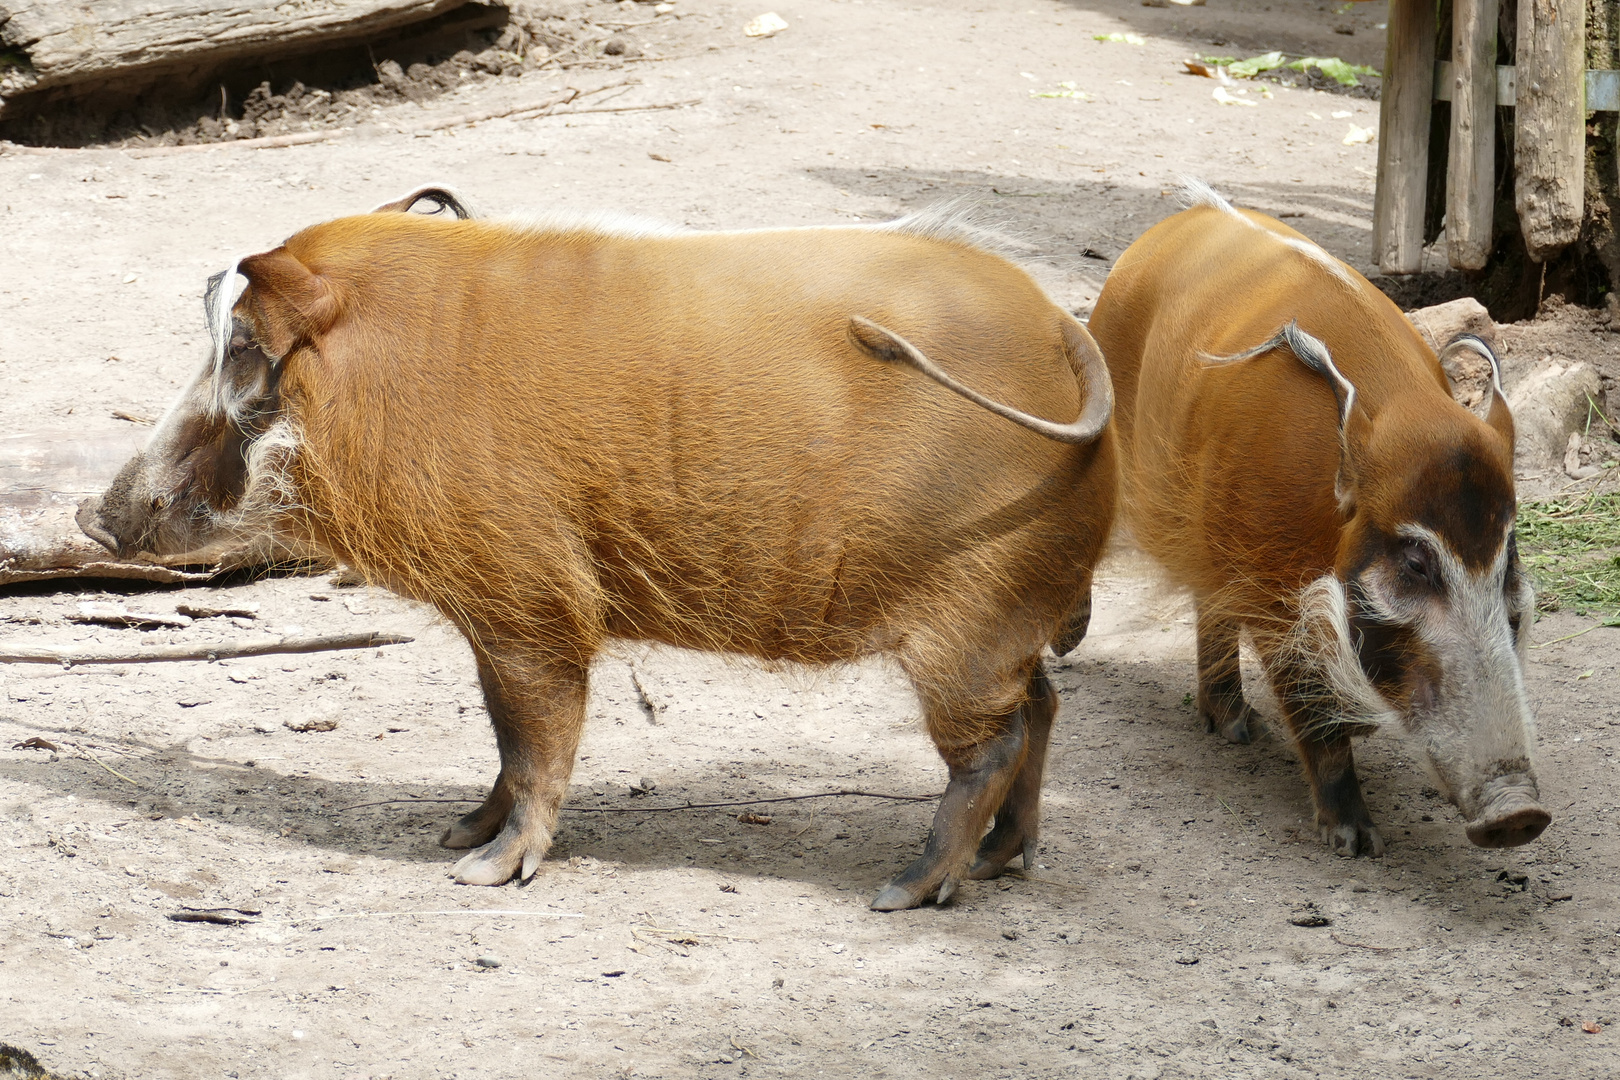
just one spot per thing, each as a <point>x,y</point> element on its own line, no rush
<point>1403,136</point>
<point>1549,124</point>
<point>1471,172</point>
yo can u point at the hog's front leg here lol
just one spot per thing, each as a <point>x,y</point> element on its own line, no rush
<point>537,708</point>
<point>1322,738</point>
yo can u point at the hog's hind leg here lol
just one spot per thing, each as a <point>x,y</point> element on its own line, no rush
<point>537,708</point>
<point>1220,680</point>
<point>982,772</point>
<point>1018,818</point>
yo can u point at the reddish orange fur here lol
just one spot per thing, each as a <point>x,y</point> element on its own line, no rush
<point>558,436</point>
<point>1228,471</point>
<point>1237,478</point>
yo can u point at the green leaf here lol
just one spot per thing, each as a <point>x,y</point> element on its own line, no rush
<point>1128,39</point>
<point>1065,90</point>
<point>1338,70</point>
<point>1254,65</point>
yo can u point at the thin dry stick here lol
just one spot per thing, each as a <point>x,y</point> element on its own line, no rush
<point>632,108</point>
<point>669,809</point>
<point>575,47</point>
<point>457,911</point>
<point>265,143</point>
<point>1578,633</point>
<point>1372,948</point>
<point>642,928</point>
<point>516,111</point>
<point>497,114</point>
<point>104,765</point>
<point>655,711</point>
<point>221,651</point>
<point>302,138</point>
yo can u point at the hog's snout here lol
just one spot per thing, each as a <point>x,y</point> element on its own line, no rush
<point>1512,814</point>
<point>88,519</point>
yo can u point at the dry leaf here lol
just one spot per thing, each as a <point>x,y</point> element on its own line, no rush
<point>766,25</point>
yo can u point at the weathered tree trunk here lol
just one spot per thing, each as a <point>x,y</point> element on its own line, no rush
<point>1403,137</point>
<point>52,43</point>
<point>1550,123</point>
<point>1471,201</point>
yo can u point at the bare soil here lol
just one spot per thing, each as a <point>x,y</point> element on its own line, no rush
<point>1159,934</point>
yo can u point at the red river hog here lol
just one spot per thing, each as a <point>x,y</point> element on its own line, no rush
<point>560,433</point>
<point>1292,455</point>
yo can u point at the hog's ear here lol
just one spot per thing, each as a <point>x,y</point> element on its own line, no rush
<point>1497,414</point>
<point>288,303</point>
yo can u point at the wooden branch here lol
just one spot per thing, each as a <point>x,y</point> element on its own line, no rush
<point>465,119</point>
<point>1403,137</point>
<point>633,108</point>
<point>268,142</point>
<point>461,120</point>
<point>672,809</point>
<point>570,94</point>
<point>1471,172</point>
<point>1549,138</point>
<point>222,651</point>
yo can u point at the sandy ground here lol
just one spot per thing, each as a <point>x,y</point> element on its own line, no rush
<point>1153,939</point>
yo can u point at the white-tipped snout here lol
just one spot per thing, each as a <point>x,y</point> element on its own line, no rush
<point>1511,813</point>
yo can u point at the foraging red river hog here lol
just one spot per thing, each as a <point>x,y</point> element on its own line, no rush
<point>563,433</point>
<point>1291,454</point>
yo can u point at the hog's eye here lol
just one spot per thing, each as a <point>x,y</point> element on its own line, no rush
<point>1417,562</point>
<point>160,502</point>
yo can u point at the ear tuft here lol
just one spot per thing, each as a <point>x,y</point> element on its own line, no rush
<point>1494,410</point>
<point>286,302</point>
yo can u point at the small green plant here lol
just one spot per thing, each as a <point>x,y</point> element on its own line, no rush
<point>1340,71</point>
<point>1571,548</point>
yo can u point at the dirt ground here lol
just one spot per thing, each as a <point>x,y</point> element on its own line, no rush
<point>1154,939</point>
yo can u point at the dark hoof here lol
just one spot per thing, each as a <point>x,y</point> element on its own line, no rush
<point>992,861</point>
<point>1354,840</point>
<point>473,830</point>
<point>1238,730</point>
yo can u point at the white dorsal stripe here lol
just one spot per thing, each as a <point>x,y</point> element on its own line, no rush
<point>1195,192</point>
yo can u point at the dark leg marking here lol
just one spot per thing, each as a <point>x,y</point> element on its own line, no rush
<point>1018,818</point>
<point>1220,680</point>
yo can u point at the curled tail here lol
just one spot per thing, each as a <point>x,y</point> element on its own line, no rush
<point>1084,356</point>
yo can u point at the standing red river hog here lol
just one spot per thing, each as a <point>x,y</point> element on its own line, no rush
<point>1292,455</point>
<point>560,433</point>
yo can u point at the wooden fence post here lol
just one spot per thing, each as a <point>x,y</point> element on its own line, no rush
<point>1549,139</point>
<point>1403,136</point>
<point>1471,172</point>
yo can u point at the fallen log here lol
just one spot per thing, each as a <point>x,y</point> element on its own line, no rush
<point>48,43</point>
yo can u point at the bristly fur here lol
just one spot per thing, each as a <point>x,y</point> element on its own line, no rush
<point>1312,352</point>
<point>1191,192</point>
<point>960,220</point>
<point>1194,192</point>
<point>218,299</point>
<point>1320,643</point>
<point>1395,599</point>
